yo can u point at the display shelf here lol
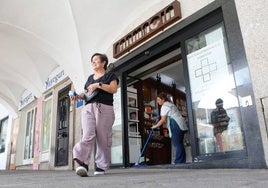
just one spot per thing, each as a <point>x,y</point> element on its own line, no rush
<point>133,121</point>
<point>133,108</point>
<point>134,136</point>
<point>133,128</point>
<point>133,114</point>
<point>158,151</point>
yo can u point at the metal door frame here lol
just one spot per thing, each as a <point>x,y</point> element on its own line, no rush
<point>62,94</point>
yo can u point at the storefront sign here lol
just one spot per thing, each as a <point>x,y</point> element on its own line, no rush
<point>149,28</point>
<point>55,77</point>
<point>26,98</point>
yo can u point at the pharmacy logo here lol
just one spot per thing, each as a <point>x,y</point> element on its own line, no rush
<point>205,70</point>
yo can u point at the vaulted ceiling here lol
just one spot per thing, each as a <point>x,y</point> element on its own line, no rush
<point>37,36</point>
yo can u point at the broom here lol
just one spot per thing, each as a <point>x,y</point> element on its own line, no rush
<point>137,164</point>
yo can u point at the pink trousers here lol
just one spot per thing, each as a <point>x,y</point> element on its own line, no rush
<point>97,122</point>
<point>219,142</point>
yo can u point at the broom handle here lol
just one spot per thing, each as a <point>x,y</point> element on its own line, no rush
<point>144,147</point>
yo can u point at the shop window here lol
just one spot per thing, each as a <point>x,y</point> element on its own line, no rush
<point>29,136</point>
<point>3,134</point>
<point>212,81</point>
<point>47,107</point>
<point>117,145</point>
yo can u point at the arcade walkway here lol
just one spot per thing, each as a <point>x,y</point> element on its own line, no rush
<point>140,178</point>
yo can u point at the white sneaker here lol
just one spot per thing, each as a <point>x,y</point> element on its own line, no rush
<point>99,171</point>
<point>81,171</point>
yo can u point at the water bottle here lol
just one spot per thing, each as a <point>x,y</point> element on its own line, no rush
<point>72,93</point>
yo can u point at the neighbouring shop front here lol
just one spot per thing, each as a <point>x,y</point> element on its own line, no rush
<point>196,61</point>
<point>56,139</point>
<point>44,140</point>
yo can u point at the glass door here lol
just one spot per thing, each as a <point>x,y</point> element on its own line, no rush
<point>117,138</point>
<point>215,106</point>
<point>62,133</point>
<point>29,136</point>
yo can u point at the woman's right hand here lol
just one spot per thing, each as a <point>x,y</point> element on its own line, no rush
<point>77,97</point>
<point>73,98</point>
<point>92,87</point>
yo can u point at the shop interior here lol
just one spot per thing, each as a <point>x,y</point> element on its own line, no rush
<point>143,84</point>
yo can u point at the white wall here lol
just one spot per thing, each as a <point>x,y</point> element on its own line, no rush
<point>254,27</point>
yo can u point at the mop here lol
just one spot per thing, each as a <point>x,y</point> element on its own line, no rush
<point>137,164</point>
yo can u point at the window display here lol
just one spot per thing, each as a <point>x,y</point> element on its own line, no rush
<point>47,107</point>
<point>117,145</point>
<point>133,125</point>
<point>29,136</point>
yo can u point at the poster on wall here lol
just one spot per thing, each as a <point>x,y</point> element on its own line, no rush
<point>47,107</point>
<point>3,134</point>
<point>38,122</point>
<point>207,67</point>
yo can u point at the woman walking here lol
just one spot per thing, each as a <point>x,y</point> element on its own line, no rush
<point>171,116</point>
<point>97,118</point>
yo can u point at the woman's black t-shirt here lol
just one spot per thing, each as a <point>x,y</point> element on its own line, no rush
<point>102,97</point>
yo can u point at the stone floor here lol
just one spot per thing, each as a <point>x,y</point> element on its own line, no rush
<point>133,177</point>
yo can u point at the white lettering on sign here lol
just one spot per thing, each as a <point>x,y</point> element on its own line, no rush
<point>55,77</point>
<point>148,29</point>
<point>26,98</point>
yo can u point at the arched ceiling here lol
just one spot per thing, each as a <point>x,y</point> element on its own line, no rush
<point>38,36</point>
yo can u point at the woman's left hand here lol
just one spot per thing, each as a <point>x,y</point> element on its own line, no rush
<point>92,87</point>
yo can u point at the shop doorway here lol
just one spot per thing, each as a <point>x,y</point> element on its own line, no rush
<point>62,132</point>
<point>165,74</point>
<point>212,83</point>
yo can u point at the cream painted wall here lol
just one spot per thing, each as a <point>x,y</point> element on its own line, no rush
<point>253,18</point>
